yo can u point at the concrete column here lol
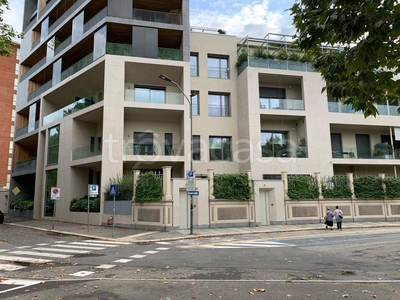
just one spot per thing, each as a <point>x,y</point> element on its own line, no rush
<point>136,174</point>
<point>382,176</point>
<point>350,179</point>
<point>167,188</point>
<point>210,173</point>
<point>319,182</point>
<point>285,185</point>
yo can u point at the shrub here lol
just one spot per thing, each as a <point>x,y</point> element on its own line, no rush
<point>82,204</point>
<point>302,187</point>
<point>232,186</point>
<point>261,52</point>
<point>21,204</point>
<point>368,187</point>
<point>392,187</point>
<point>125,187</point>
<point>148,188</point>
<point>242,57</point>
<point>336,187</point>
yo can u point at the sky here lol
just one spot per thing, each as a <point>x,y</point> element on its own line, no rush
<point>253,18</point>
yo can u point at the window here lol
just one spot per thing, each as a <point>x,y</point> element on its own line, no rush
<point>53,145</point>
<point>218,105</point>
<point>220,148</point>
<point>149,94</point>
<point>196,147</point>
<point>217,67</point>
<point>195,103</point>
<point>51,180</point>
<point>270,98</point>
<point>273,143</point>
<point>143,143</point>
<point>194,64</point>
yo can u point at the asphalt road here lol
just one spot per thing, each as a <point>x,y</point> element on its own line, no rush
<point>356,264</point>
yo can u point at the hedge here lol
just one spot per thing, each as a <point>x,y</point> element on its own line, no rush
<point>148,188</point>
<point>232,187</point>
<point>82,204</point>
<point>21,204</point>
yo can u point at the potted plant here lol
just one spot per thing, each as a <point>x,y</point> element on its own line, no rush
<point>302,148</point>
<point>382,150</point>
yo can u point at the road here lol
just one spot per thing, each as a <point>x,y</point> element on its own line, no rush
<point>356,264</point>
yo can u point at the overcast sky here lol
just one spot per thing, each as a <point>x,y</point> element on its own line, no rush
<point>254,18</point>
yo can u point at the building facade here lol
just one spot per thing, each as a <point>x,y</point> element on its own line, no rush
<point>91,105</point>
<point>9,71</point>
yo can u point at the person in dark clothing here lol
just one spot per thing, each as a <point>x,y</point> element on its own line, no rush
<point>338,217</point>
<point>328,218</point>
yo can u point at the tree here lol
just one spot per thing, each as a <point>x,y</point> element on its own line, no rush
<point>7,32</point>
<point>362,73</point>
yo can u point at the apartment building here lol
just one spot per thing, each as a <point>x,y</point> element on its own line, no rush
<point>91,105</point>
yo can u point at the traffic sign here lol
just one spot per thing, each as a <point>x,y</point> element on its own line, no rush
<point>93,190</point>
<point>193,193</point>
<point>113,189</point>
<point>55,193</point>
<point>190,180</point>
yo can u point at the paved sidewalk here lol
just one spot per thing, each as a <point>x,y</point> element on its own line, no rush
<point>143,236</point>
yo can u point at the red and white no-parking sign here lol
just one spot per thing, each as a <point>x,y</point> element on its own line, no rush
<point>55,193</point>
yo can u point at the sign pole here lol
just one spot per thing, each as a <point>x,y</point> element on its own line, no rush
<point>54,214</point>
<point>88,204</point>
<point>191,214</point>
<point>113,216</point>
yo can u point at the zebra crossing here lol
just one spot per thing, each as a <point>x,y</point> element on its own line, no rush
<point>235,244</point>
<point>10,259</point>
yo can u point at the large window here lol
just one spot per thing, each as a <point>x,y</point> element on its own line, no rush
<point>220,148</point>
<point>53,145</point>
<point>218,105</point>
<point>196,147</point>
<point>143,143</point>
<point>195,103</point>
<point>194,64</point>
<point>274,143</point>
<point>217,67</point>
<point>149,94</point>
<point>51,181</point>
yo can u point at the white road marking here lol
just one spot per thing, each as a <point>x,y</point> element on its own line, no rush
<point>105,266</point>
<point>44,244</point>
<point>137,256</point>
<point>82,273</point>
<point>4,250</point>
<point>108,242</point>
<point>23,247</point>
<point>94,244</point>
<point>60,242</point>
<point>77,247</point>
<point>10,267</point>
<point>122,260</point>
<point>41,254</point>
<point>62,250</point>
<point>164,243</point>
<point>24,259</point>
<point>19,284</point>
<point>151,252</point>
<point>249,244</point>
<point>162,249</point>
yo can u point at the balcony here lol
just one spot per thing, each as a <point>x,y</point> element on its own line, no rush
<point>40,90</point>
<point>25,167</point>
<point>126,50</point>
<point>157,16</point>
<point>283,104</point>
<point>155,149</point>
<point>366,153</point>
<point>85,152</point>
<point>383,109</point>
<point>76,67</point>
<point>24,130</point>
<point>73,107</point>
<point>283,151</point>
<point>279,64</point>
<point>162,98</point>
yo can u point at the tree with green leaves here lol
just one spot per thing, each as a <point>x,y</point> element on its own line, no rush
<point>364,71</point>
<point>7,32</point>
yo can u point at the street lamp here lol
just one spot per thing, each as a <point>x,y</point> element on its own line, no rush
<point>166,78</point>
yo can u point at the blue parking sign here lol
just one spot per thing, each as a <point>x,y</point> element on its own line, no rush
<point>113,189</point>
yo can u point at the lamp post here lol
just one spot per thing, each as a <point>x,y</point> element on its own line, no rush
<point>166,78</point>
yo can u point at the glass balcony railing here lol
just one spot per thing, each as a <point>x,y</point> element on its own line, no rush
<point>76,67</point>
<point>155,149</point>
<point>73,107</point>
<point>126,50</point>
<point>279,64</point>
<point>85,152</point>
<point>24,130</point>
<point>284,104</point>
<point>366,153</point>
<point>163,98</point>
<point>40,90</point>
<point>26,166</point>
<point>284,151</point>
<point>383,109</point>
<point>157,16</point>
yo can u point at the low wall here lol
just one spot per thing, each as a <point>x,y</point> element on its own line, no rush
<point>354,210</point>
<point>225,213</point>
<point>153,215</point>
<point>21,213</point>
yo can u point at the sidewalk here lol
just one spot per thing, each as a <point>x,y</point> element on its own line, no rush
<point>143,236</point>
